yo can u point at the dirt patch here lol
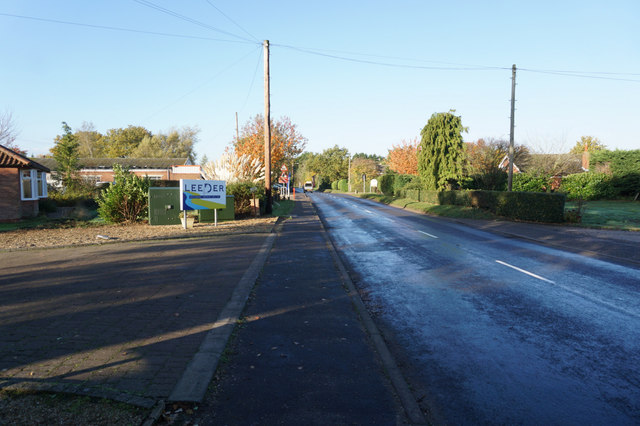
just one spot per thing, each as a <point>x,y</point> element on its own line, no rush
<point>107,234</point>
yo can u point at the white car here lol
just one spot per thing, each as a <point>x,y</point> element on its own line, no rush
<point>308,186</point>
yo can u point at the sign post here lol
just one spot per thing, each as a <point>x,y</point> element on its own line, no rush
<point>202,195</point>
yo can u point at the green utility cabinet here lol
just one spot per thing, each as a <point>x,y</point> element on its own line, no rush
<point>228,213</point>
<point>164,206</point>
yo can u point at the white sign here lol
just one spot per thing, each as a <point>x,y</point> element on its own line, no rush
<point>202,194</point>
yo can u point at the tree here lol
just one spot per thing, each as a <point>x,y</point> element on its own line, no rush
<point>442,154</point>
<point>286,142</point>
<point>331,165</point>
<point>8,133</point>
<point>484,158</point>
<point>363,166</point>
<point>175,144</point>
<point>89,141</point>
<point>123,142</point>
<point>403,158</point>
<point>589,144</point>
<point>66,155</point>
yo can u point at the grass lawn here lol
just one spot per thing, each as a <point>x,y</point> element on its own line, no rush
<point>610,214</point>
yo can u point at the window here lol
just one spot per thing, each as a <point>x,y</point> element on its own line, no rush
<point>26,184</point>
<point>42,185</point>
<point>33,184</point>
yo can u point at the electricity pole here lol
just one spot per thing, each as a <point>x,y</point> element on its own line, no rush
<point>513,110</point>
<point>267,133</point>
<point>237,133</point>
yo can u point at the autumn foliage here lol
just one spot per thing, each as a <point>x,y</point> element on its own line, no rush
<point>403,158</point>
<point>286,142</point>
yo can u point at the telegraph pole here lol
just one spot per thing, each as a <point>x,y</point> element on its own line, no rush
<point>513,111</point>
<point>237,132</point>
<point>267,132</point>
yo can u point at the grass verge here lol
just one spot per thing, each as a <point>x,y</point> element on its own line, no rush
<point>282,208</point>
<point>609,214</point>
<point>30,408</point>
<point>456,212</point>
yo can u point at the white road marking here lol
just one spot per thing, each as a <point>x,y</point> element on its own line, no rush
<point>368,211</point>
<point>525,272</point>
<point>427,234</point>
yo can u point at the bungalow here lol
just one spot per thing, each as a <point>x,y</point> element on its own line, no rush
<point>22,183</point>
<point>100,170</point>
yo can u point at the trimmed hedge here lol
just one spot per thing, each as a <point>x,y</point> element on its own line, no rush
<point>530,206</point>
<point>588,186</point>
<point>343,185</point>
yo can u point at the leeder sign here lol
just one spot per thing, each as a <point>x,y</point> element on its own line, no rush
<point>202,194</point>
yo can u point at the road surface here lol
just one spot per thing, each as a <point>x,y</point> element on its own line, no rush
<point>490,329</point>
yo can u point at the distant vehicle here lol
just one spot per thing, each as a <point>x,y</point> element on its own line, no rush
<point>308,186</point>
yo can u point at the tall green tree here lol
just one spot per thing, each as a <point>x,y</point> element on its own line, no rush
<point>66,155</point>
<point>441,157</point>
<point>332,164</point>
<point>123,142</point>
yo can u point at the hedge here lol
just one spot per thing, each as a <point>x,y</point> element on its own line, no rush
<point>530,206</point>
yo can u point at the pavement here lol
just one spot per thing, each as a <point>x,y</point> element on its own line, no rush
<point>150,322</point>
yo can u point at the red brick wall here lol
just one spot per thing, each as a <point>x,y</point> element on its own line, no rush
<point>10,208</point>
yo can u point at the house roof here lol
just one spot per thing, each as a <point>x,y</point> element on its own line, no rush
<point>129,163</point>
<point>11,159</point>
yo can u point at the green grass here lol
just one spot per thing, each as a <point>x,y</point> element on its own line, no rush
<point>282,208</point>
<point>456,212</point>
<point>610,214</point>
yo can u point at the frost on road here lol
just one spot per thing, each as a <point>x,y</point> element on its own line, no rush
<point>496,330</point>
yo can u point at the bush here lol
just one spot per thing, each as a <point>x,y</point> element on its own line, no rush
<point>526,182</point>
<point>588,186</point>
<point>243,196</point>
<point>334,185</point>
<point>343,185</point>
<point>126,200</point>
<point>495,180</point>
<point>531,206</point>
<point>386,183</point>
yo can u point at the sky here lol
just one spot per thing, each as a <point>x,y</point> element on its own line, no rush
<point>364,75</point>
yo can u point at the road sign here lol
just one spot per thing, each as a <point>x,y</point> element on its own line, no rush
<point>284,168</point>
<point>202,194</point>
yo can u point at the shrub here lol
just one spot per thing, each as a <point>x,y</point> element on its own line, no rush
<point>334,185</point>
<point>126,200</point>
<point>495,180</point>
<point>387,182</point>
<point>526,182</point>
<point>343,185</point>
<point>588,186</point>
<point>242,194</point>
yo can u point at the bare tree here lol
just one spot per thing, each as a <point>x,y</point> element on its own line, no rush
<point>8,131</point>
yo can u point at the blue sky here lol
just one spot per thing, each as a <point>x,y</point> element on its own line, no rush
<point>359,74</point>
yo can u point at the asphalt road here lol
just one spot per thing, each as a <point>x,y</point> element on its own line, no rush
<point>491,329</point>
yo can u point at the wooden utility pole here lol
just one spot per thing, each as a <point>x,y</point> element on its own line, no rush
<point>267,133</point>
<point>513,111</point>
<point>237,132</point>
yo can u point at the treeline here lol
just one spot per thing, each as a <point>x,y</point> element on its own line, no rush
<point>134,142</point>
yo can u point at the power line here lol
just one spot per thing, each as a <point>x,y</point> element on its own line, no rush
<point>110,28</point>
<point>154,6</point>
<point>232,21</point>
<point>391,64</point>
<point>200,85</point>
<point>603,75</point>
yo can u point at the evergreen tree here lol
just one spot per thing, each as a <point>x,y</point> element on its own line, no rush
<point>441,156</point>
<point>66,155</point>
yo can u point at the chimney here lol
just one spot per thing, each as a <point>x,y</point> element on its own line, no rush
<point>585,160</point>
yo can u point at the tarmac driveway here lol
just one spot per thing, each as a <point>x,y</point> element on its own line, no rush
<point>120,321</point>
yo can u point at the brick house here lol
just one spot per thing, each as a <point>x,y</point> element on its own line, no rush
<point>22,183</point>
<point>100,170</point>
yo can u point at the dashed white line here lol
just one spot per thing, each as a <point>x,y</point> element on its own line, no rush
<point>427,234</point>
<point>525,272</point>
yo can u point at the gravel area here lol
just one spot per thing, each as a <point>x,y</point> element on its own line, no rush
<point>106,234</point>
